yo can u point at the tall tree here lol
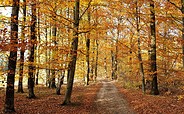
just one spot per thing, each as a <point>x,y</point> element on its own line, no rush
<point>54,32</point>
<point>46,52</point>
<point>74,47</point>
<point>38,48</point>
<point>141,68</point>
<point>12,60</point>
<point>31,57</point>
<point>153,69</point>
<point>87,48</point>
<point>182,9</point>
<point>96,62</point>
<point>20,84</point>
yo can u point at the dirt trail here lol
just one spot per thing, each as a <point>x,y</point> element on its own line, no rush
<point>109,101</point>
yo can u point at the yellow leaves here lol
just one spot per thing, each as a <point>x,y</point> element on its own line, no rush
<point>180,97</point>
<point>5,2</point>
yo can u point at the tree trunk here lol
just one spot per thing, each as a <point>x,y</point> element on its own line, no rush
<point>38,48</point>
<point>72,64</point>
<point>116,58</point>
<point>182,2</point>
<point>87,48</point>
<point>12,60</point>
<point>20,84</point>
<point>54,54</point>
<point>141,68</point>
<point>31,57</point>
<point>154,89</point>
<point>105,66</point>
<point>53,82</point>
<point>96,63</point>
<point>49,59</point>
<point>46,54</point>
<point>93,60</point>
<point>112,61</point>
<point>60,83</point>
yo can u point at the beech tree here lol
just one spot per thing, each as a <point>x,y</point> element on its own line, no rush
<point>32,49</point>
<point>182,10</point>
<point>87,48</point>
<point>20,85</point>
<point>141,68</point>
<point>153,59</point>
<point>12,60</point>
<point>73,52</point>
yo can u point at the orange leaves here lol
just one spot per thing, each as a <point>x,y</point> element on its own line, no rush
<point>5,2</point>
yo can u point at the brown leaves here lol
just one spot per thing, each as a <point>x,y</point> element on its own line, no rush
<point>48,103</point>
<point>146,104</point>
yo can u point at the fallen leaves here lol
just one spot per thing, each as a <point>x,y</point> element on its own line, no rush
<point>47,102</point>
<point>148,104</point>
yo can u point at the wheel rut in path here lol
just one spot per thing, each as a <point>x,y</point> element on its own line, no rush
<point>109,101</point>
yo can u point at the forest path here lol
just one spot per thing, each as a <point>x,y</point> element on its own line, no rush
<point>110,101</point>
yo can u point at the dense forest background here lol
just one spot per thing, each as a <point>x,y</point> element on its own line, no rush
<point>138,42</point>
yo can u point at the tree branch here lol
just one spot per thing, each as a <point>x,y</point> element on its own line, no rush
<point>89,4</point>
<point>174,4</point>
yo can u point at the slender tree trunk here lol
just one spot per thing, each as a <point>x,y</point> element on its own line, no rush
<point>113,59</point>
<point>38,48</point>
<point>87,48</point>
<point>141,68</point>
<point>105,66</point>
<point>96,63</point>
<point>112,62</point>
<point>116,53</point>
<point>93,60</point>
<point>49,54</point>
<point>12,60</point>
<point>53,82</point>
<point>165,60</point>
<point>54,55</point>
<point>182,9</point>
<point>46,54</point>
<point>20,83</point>
<point>72,64</point>
<point>116,56</point>
<point>60,83</point>
<point>154,89</point>
<point>31,57</point>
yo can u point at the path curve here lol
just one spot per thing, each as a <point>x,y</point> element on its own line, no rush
<point>109,101</point>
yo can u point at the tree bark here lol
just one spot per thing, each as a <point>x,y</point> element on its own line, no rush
<point>20,84</point>
<point>182,9</point>
<point>154,89</point>
<point>141,68</point>
<point>46,54</point>
<point>38,48</point>
<point>87,48</point>
<point>12,60</point>
<point>112,62</point>
<point>72,64</point>
<point>96,62</point>
<point>53,82</point>
<point>54,55</point>
<point>60,83</point>
<point>31,57</point>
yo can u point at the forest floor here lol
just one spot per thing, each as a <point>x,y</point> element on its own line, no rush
<point>104,97</point>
